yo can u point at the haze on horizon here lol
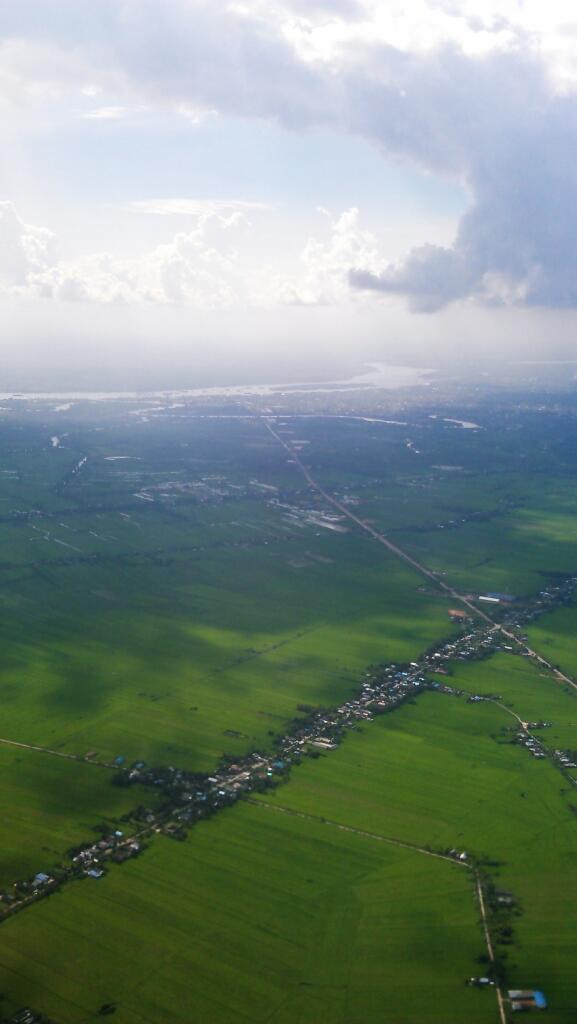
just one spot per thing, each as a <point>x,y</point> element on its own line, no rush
<point>242,189</point>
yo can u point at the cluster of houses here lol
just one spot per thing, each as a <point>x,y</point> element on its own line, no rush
<point>87,862</point>
<point>565,758</point>
<point>525,739</point>
<point>478,642</point>
<point>188,797</point>
<point>305,515</point>
<point>522,999</point>
<point>24,1016</point>
<point>28,889</point>
<point>191,797</point>
<point>563,592</point>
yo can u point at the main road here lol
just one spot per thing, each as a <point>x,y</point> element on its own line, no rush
<point>406,557</point>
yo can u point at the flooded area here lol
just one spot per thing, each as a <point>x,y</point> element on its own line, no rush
<point>465,424</point>
<point>377,375</point>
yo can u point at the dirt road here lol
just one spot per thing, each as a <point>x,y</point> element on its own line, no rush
<point>57,753</point>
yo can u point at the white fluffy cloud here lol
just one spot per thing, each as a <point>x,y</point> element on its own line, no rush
<point>325,263</point>
<point>480,92</point>
<point>205,267</point>
<point>25,250</point>
<point>198,268</point>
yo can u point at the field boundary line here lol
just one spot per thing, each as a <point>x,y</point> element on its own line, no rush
<point>57,753</point>
<point>317,819</point>
<point>416,849</point>
<point>489,944</point>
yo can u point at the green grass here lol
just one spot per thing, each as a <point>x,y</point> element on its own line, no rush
<point>554,637</point>
<point>258,917</point>
<point>50,804</point>
<point>532,694</point>
<point>174,631</point>
<point>180,629</point>
<point>528,532</point>
<point>440,773</point>
<point>161,661</point>
<point>517,554</point>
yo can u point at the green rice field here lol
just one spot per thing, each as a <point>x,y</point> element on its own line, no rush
<point>441,773</point>
<point>257,917</point>
<point>172,591</point>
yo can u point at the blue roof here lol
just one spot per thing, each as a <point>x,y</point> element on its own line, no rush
<point>540,1000</point>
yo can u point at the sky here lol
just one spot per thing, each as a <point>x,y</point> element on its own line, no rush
<point>285,183</point>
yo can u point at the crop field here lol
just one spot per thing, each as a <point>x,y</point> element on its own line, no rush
<point>258,917</point>
<point>485,531</point>
<point>163,661</point>
<point>171,630</point>
<point>443,773</point>
<point>50,804</point>
<point>455,498</point>
<point>172,591</point>
<point>555,636</point>
<point>516,553</point>
<point>529,692</point>
<point>196,623</point>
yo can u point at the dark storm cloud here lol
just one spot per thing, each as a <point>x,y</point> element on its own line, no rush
<point>498,125</point>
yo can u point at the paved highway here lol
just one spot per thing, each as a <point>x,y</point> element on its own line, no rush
<point>406,557</point>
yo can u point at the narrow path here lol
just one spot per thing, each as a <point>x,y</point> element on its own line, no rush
<point>489,944</point>
<point>57,753</point>
<point>524,725</point>
<point>406,846</point>
<point>357,831</point>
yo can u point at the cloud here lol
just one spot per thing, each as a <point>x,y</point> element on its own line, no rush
<point>25,250</point>
<point>194,207</point>
<point>105,113</point>
<point>461,90</point>
<point>195,55</point>
<point>332,8</point>
<point>325,264</point>
<point>209,266</point>
<point>431,277</point>
<point>199,268</point>
<point>497,123</point>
